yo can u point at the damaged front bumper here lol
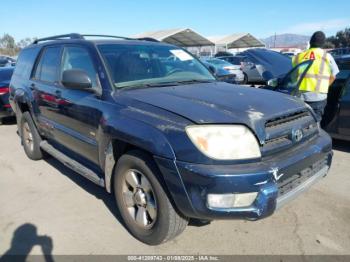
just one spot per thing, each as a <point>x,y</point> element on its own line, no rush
<point>276,179</point>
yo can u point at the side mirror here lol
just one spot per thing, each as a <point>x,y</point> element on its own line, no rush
<point>212,69</point>
<point>273,82</point>
<point>76,79</point>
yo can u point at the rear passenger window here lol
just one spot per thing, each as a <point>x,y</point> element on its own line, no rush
<point>79,58</point>
<point>25,62</point>
<point>47,67</point>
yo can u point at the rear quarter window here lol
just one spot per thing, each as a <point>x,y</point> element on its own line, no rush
<point>26,62</point>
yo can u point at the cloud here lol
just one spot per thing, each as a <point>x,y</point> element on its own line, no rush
<point>329,26</point>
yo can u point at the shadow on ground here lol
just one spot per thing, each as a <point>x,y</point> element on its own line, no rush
<point>101,193</point>
<point>24,239</point>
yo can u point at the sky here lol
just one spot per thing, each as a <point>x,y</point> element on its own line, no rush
<point>261,18</point>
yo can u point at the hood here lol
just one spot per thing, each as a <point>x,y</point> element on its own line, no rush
<point>271,64</point>
<point>220,103</point>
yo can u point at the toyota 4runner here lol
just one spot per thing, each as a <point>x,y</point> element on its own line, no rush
<point>148,122</point>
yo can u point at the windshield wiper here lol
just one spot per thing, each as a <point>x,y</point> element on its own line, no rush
<point>149,85</point>
<point>164,84</point>
<point>195,81</point>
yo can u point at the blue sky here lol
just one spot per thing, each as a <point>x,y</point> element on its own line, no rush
<point>35,18</point>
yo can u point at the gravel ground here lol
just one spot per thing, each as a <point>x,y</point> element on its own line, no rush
<point>45,207</point>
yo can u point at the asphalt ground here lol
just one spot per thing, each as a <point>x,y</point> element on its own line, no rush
<point>47,208</point>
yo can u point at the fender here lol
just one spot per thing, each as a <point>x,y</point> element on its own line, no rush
<point>135,133</point>
<point>20,96</point>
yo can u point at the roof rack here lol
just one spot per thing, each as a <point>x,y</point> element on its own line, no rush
<point>147,39</point>
<point>82,36</point>
<point>59,37</point>
<point>110,36</point>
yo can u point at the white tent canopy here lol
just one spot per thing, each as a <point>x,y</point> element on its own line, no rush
<point>181,37</point>
<point>243,40</point>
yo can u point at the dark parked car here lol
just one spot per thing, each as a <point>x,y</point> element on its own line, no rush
<point>5,108</point>
<point>336,118</point>
<point>6,61</point>
<point>151,124</point>
<point>339,52</point>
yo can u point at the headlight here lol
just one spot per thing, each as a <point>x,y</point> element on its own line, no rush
<point>224,142</point>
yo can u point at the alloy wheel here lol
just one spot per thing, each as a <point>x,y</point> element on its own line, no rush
<point>139,199</point>
<point>28,137</point>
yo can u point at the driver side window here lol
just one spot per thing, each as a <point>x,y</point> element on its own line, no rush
<point>79,58</point>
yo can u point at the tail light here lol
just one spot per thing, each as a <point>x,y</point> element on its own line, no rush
<point>4,90</point>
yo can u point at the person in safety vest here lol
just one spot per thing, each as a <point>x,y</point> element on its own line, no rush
<point>315,84</point>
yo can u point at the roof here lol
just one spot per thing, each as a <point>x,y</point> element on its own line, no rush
<point>239,41</point>
<point>184,37</point>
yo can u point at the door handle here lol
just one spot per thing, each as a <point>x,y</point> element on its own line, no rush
<point>58,93</point>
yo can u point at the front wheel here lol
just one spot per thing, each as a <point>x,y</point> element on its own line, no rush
<point>143,203</point>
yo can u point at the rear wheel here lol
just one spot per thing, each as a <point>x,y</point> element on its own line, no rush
<point>30,137</point>
<point>144,205</point>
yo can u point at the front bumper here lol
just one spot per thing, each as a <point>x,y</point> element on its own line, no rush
<point>277,179</point>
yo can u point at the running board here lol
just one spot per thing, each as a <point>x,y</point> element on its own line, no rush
<point>72,164</point>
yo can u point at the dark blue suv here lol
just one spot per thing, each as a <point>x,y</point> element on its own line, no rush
<point>149,122</point>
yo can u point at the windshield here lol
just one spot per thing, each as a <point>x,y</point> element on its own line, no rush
<point>145,65</point>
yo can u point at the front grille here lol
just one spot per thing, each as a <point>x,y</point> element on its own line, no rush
<point>286,119</point>
<point>288,183</point>
<point>279,131</point>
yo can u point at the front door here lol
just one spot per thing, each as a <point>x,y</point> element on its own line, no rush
<point>79,114</point>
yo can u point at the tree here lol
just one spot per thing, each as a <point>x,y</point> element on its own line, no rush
<point>341,39</point>
<point>8,45</point>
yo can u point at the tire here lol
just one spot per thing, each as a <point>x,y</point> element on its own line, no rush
<point>160,221</point>
<point>245,80</point>
<point>30,137</point>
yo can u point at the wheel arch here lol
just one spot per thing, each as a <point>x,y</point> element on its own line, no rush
<point>130,135</point>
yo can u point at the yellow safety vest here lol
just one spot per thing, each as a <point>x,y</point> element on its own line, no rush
<point>317,77</point>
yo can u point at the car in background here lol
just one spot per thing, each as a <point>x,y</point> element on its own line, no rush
<point>249,74</point>
<point>5,78</point>
<point>336,118</point>
<point>289,54</point>
<point>6,61</point>
<point>260,65</point>
<point>225,71</point>
<point>339,52</point>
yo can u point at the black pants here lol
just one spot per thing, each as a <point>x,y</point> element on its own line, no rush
<point>318,108</point>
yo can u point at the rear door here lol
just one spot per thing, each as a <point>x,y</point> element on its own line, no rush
<point>44,86</point>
